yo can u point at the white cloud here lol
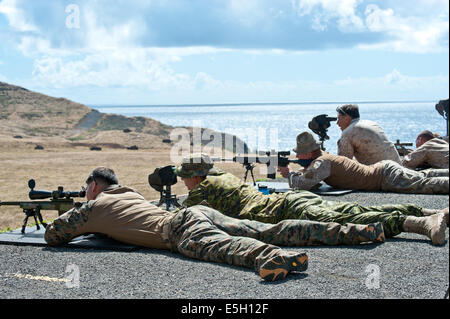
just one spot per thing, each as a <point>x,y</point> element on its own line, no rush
<point>101,37</point>
<point>322,11</point>
<point>394,85</point>
<point>410,34</point>
<point>33,45</point>
<point>109,68</point>
<point>16,17</point>
<point>116,51</point>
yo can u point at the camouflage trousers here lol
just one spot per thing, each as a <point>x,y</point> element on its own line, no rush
<point>200,232</point>
<point>308,206</point>
<point>397,178</point>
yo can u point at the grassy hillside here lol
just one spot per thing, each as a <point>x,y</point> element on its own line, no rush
<point>40,118</point>
<point>35,114</point>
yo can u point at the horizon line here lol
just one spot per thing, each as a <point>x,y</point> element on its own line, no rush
<point>254,103</point>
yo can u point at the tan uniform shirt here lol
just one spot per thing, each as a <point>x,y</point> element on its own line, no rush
<point>432,153</point>
<point>338,172</point>
<point>118,212</point>
<point>367,142</point>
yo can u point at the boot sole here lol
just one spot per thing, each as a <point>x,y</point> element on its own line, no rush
<point>279,267</point>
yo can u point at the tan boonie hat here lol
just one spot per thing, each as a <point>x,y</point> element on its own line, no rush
<point>195,165</point>
<point>306,143</point>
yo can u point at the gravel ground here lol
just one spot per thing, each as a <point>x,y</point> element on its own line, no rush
<point>407,266</point>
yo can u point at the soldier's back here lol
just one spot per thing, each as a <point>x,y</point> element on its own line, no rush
<point>369,143</point>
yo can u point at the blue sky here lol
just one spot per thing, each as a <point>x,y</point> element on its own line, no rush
<point>227,51</point>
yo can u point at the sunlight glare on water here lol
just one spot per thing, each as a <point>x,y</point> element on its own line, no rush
<point>401,121</point>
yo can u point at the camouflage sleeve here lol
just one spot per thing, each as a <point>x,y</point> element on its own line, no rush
<point>345,147</point>
<point>195,197</point>
<point>415,159</point>
<point>313,175</point>
<point>67,226</point>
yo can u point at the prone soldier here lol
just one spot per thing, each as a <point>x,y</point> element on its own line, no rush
<point>227,194</point>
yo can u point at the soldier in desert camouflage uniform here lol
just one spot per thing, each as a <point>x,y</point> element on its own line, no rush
<point>344,173</point>
<point>198,232</point>
<point>227,194</point>
<point>362,139</point>
<point>431,152</point>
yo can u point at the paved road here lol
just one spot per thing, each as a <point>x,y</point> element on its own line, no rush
<point>407,266</point>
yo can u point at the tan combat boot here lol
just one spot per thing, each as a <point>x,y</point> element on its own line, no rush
<point>431,226</point>
<point>429,212</point>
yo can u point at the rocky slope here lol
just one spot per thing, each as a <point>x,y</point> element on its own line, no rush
<point>36,116</point>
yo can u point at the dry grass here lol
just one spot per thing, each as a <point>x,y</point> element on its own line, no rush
<point>64,165</point>
<point>66,159</point>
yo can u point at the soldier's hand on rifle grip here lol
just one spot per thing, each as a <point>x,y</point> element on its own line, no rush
<point>284,171</point>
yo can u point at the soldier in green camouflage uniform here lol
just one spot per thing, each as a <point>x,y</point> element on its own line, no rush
<point>226,193</point>
<point>198,232</point>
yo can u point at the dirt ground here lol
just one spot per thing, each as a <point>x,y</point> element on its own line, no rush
<point>62,165</point>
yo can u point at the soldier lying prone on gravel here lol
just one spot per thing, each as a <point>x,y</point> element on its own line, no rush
<point>199,232</point>
<point>229,195</point>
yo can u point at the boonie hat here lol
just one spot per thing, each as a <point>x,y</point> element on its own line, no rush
<point>195,165</point>
<point>306,143</point>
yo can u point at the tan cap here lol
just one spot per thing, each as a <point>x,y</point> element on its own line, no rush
<point>306,143</point>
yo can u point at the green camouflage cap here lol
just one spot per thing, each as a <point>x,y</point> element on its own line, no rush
<point>195,165</point>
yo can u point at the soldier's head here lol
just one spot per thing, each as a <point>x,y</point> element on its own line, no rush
<point>346,114</point>
<point>99,179</point>
<point>424,137</point>
<point>194,169</point>
<point>307,149</point>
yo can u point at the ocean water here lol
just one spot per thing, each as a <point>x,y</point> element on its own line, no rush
<point>275,126</point>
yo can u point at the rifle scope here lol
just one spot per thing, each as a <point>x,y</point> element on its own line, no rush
<point>58,194</point>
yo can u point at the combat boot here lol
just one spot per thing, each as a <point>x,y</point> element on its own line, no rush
<point>278,267</point>
<point>431,226</point>
<point>429,212</point>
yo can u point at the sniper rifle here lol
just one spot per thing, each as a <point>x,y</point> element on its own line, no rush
<point>60,200</point>
<point>271,158</point>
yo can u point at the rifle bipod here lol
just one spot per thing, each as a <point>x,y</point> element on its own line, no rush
<point>249,167</point>
<point>167,198</point>
<point>36,213</point>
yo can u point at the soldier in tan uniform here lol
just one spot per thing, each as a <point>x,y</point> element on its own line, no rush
<point>344,173</point>
<point>232,197</point>
<point>431,152</point>
<point>362,139</point>
<point>198,232</point>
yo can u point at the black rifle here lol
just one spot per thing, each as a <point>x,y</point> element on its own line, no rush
<point>60,200</point>
<point>270,158</point>
<point>401,148</point>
